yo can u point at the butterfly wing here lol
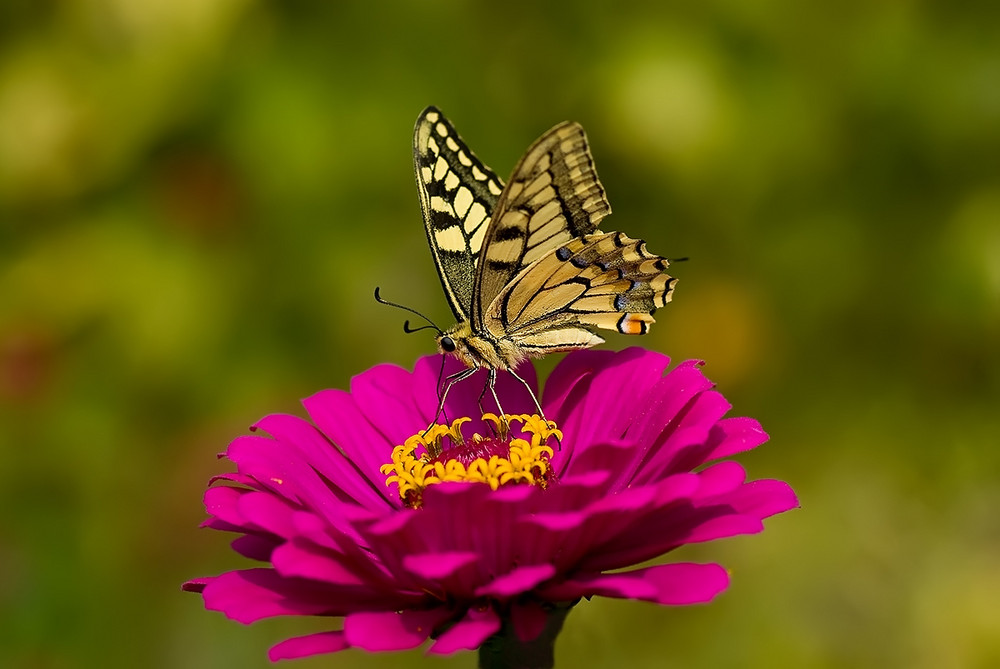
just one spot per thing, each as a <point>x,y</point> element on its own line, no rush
<point>458,194</point>
<point>604,280</point>
<point>553,196</point>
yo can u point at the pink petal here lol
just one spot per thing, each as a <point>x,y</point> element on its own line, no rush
<point>297,559</point>
<point>397,535</point>
<point>671,520</point>
<point>302,450</point>
<point>254,547</point>
<point>735,435</point>
<point>222,526</point>
<point>665,399</point>
<point>615,457</point>
<point>575,491</point>
<point>687,447</point>
<point>451,509</point>
<point>678,423</point>
<point>555,537</point>
<point>251,594</point>
<point>608,525</point>
<point>353,464</point>
<point>682,583</point>
<point>515,397</point>
<point>722,527</point>
<point>568,382</point>
<point>383,631</point>
<point>619,388</point>
<point>764,498</point>
<point>439,566</point>
<point>671,584</point>
<point>469,633</point>
<point>268,512</point>
<point>664,404</point>
<point>622,585</point>
<point>557,522</point>
<point>237,478</point>
<point>311,644</point>
<point>426,372</point>
<point>667,526</point>
<point>719,480</point>
<point>276,466</point>
<point>605,410</point>
<point>196,584</point>
<point>654,535</point>
<point>222,503</point>
<point>384,395</point>
<point>519,580</point>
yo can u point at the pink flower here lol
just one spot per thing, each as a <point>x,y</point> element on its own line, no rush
<point>629,480</point>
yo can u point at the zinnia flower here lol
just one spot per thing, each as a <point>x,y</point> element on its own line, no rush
<point>478,538</point>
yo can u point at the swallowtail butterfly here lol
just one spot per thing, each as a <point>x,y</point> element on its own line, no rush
<point>523,265</point>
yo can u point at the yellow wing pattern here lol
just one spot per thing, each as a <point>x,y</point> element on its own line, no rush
<point>458,194</point>
<point>552,197</point>
<point>603,280</point>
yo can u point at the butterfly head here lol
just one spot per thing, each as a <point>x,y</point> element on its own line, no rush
<point>446,344</point>
<point>478,350</point>
<point>455,341</point>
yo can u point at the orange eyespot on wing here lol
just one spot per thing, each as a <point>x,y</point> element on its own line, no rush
<point>600,280</point>
<point>634,324</point>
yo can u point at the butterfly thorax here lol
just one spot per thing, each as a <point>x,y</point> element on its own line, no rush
<point>479,350</point>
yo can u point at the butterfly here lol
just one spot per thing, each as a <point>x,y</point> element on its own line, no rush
<point>524,266</point>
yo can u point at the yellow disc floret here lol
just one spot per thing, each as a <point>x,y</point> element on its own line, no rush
<point>445,455</point>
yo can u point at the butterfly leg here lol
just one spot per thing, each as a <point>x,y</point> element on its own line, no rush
<point>439,386</point>
<point>482,395</point>
<point>535,399</point>
<point>530,392</point>
<point>448,383</point>
<point>491,384</point>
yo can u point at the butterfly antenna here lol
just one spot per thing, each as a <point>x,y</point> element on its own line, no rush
<point>684,259</point>
<point>408,330</point>
<point>406,325</point>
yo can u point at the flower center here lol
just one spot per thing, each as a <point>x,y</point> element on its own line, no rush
<point>445,455</point>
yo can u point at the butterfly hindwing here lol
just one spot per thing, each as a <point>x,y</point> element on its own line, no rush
<point>553,196</point>
<point>604,280</point>
<point>458,194</point>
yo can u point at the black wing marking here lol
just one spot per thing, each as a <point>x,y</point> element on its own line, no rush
<point>553,196</point>
<point>458,195</point>
<point>604,280</point>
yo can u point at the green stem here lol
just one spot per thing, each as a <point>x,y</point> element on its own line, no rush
<point>504,650</point>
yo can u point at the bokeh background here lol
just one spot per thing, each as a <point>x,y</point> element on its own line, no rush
<point>198,196</point>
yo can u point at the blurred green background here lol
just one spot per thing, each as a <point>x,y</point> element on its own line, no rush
<point>197,198</point>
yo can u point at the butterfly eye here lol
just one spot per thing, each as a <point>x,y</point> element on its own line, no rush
<point>447,344</point>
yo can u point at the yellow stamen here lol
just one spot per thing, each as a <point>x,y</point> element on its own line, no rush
<point>495,461</point>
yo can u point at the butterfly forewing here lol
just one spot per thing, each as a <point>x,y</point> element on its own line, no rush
<point>553,197</point>
<point>604,280</point>
<point>458,194</point>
